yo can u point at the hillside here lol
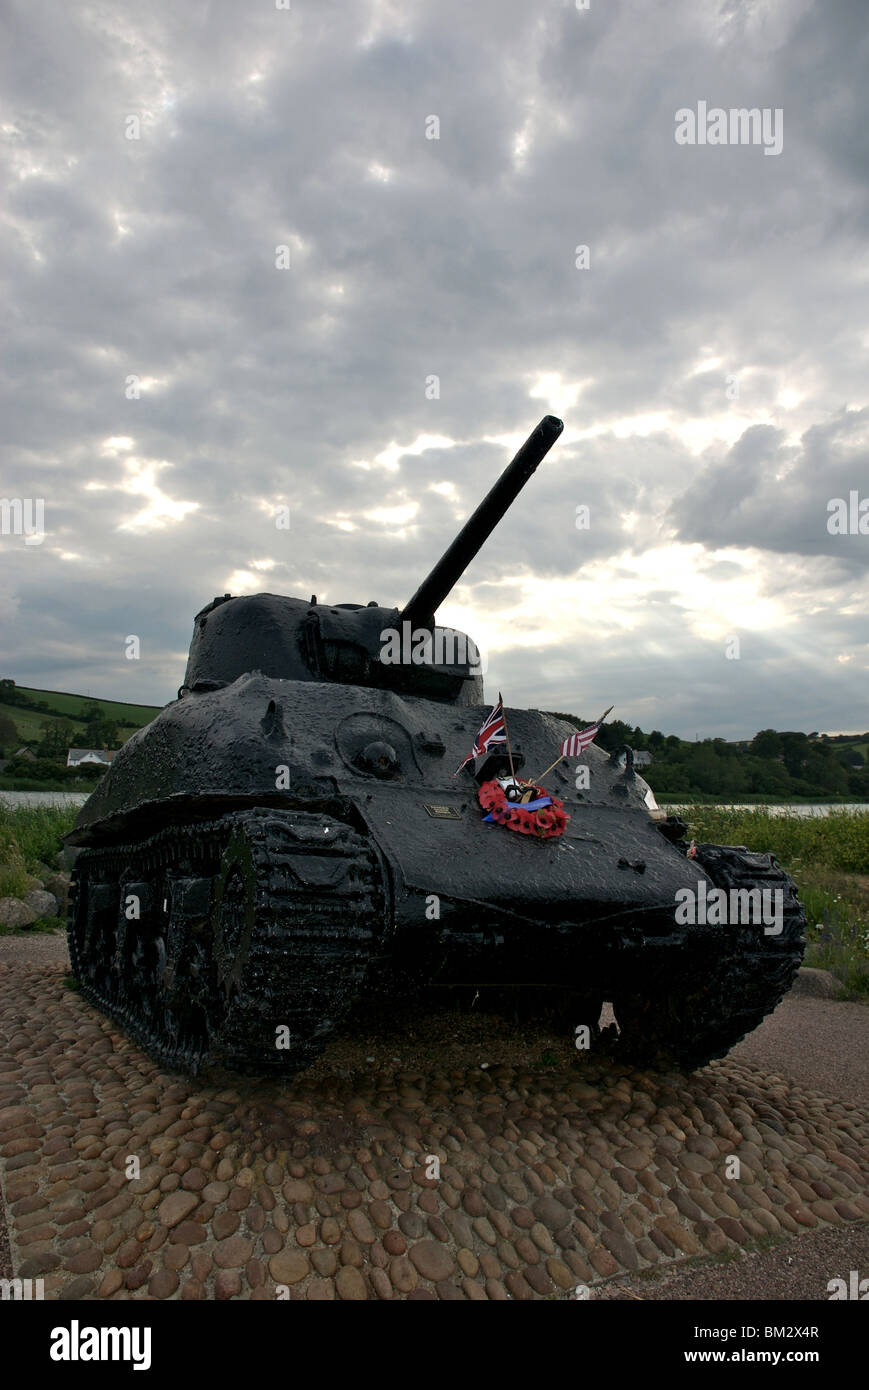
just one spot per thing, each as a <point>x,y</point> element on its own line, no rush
<point>51,721</point>
<point>71,706</point>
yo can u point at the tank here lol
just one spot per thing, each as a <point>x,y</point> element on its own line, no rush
<point>290,836</point>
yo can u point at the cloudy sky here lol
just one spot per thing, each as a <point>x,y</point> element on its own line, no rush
<point>711,363</point>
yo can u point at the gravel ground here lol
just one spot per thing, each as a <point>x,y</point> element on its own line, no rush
<point>822,1045</point>
<point>35,948</point>
<point>573,1172</point>
<point>797,1269</point>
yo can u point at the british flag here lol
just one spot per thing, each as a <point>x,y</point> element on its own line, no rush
<point>491,731</point>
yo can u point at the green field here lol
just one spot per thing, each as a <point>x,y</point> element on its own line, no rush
<point>25,722</point>
<point>63,705</point>
<point>70,706</point>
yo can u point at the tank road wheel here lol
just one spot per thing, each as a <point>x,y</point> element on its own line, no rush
<point>298,909</point>
<point>92,932</point>
<point>695,1001</point>
<point>235,904</point>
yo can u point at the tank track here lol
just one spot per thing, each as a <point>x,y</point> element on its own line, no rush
<point>255,935</point>
<point>695,1003</point>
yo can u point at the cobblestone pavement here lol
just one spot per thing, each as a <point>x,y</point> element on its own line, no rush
<point>550,1177</point>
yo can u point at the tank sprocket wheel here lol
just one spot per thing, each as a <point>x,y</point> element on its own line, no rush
<point>695,1006</point>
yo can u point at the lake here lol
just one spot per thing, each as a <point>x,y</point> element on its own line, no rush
<point>44,798</point>
<point>794,809</point>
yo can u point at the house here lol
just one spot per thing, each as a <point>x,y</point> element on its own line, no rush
<point>76,756</point>
<point>641,758</point>
<point>25,753</point>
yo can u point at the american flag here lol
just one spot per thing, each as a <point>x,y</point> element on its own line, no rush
<point>491,731</point>
<point>577,742</point>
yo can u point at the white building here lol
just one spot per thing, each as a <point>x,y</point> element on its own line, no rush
<point>76,756</point>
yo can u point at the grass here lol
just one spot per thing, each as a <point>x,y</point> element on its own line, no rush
<point>29,842</point>
<point>839,840</point>
<point>35,831</point>
<point>14,878</point>
<point>29,725</point>
<point>47,926</point>
<point>30,839</point>
<point>70,706</point>
<point>828,857</point>
<point>28,721</point>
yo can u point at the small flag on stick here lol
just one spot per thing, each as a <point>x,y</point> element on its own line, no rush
<point>578,742</point>
<point>491,731</point>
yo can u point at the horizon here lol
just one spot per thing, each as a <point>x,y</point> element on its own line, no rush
<point>745,738</point>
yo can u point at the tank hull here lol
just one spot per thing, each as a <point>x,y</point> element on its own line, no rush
<point>279,875</point>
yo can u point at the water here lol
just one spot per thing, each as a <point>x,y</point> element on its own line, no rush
<point>44,798</point>
<point>792,809</point>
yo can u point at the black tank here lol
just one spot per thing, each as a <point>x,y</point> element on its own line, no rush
<point>288,837</point>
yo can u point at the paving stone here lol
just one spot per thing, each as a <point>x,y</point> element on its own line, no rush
<point>227,1284</point>
<point>232,1253</point>
<point>288,1266</point>
<point>176,1207</point>
<point>432,1260</point>
<point>163,1284</point>
<point>403,1275</point>
<point>350,1285</point>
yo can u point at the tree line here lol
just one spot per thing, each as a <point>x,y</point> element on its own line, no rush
<point>773,763</point>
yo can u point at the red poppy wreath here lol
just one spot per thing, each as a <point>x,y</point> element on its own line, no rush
<point>543,816</point>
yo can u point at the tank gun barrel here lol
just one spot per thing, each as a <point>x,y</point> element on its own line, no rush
<point>455,560</point>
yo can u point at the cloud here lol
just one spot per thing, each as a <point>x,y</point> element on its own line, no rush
<point>710,364</point>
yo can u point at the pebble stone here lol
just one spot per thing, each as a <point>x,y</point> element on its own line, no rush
<point>350,1285</point>
<point>176,1206</point>
<point>288,1267</point>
